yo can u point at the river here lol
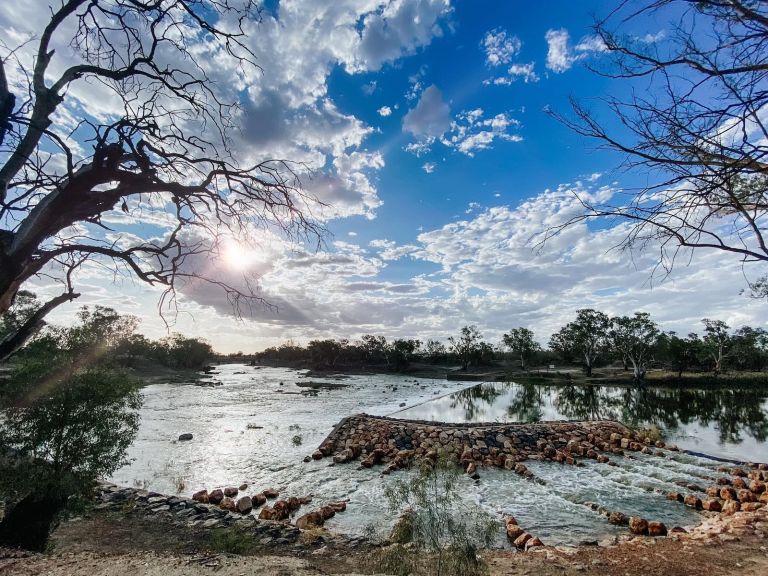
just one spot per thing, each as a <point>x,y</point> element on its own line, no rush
<point>258,425</point>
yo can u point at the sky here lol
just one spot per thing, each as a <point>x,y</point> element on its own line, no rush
<point>426,124</point>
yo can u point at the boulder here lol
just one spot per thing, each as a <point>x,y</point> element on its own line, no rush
<point>514,532</point>
<point>713,491</point>
<point>230,491</point>
<point>243,487</point>
<point>757,486</point>
<point>294,503</point>
<point>267,513</point>
<point>244,505</point>
<point>310,520</point>
<point>281,510</point>
<point>317,455</point>
<point>712,505</point>
<point>746,496</point>
<point>657,529</point>
<point>258,499</point>
<point>533,542</point>
<point>344,456</point>
<point>228,504</point>
<point>739,483</point>
<point>638,525</point>
<point>216,496</point>
<point>731,506</point>
<point>675,496</point>
<point>692,500</point>
<point>339,506</point>
<point>618,518</point>
<point>327,512</point>
<point>185,437</point>
<point>271,493</point>
<point>751,506</point>
<point>201,496</point>
<point>728,494</point>
<point>521,540</point>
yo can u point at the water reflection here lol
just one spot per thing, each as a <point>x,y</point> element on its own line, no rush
<point>725,417</point>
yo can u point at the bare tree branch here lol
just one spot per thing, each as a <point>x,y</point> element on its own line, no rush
<point>169,147</point>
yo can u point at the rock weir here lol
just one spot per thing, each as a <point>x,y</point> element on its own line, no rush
<point>395,443</point>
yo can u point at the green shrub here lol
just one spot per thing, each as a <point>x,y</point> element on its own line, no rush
<point>232,540</point>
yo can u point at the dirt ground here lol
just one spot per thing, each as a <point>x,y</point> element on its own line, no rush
<point>110,545</point>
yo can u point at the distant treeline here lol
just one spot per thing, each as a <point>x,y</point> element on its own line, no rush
<point>590,340</point>
<point>102,332</point>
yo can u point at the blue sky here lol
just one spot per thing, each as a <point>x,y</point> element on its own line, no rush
<point>425,124</point>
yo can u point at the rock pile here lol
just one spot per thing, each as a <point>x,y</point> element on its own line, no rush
<point>193,513</point>
<point>395,443</point>
<point>519,537</point>
<point>221,508</point>
<point>738,489</point>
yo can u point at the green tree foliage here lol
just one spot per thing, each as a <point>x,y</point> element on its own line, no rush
<point>375,349</point>
<point>69,413</point>
<point>402,351</point>
<point>183,352</point>
<point>717,342</point>
<point>435,351</point>
<point>444,533</point>
<point>680,354</point>
<point>585,339</point>
<point>634,338</point>
<point>466,346</point>
<point>521,343</point>
<point>325,353</point>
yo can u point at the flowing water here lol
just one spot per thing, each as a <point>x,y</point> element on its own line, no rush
<point>257,426</point>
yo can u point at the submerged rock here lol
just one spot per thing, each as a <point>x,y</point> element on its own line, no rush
<point>200,496</point>
<point>185,437</point>
<point>657,529</point>
<point>638,525</point>
<point>244,505</point>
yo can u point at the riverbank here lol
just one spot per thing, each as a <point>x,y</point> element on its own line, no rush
<point>560,376</point>
<point>104,543</point>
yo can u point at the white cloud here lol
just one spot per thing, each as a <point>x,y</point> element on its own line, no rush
<point>471,131</point>
<point>428,167</point>
<point>560,55</point>
<point>431,117</point>
<point>499,47</point>
<point>397,29</point>
<point>515,72</point>
<point>384,111</point>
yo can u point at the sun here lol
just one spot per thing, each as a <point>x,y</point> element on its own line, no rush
<point>238,256</point>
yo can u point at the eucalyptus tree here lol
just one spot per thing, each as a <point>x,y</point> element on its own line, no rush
<point>467,346</point>
<point>716,342</point>
<point>521,342</point>
<point>680,354</point>
<point>634,337</point>
<point>163,150</point>
<point>695,131</point>
<point>586,338</point>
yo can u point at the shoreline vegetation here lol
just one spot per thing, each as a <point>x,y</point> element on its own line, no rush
<point>593,348</point>
<point>542,375</point>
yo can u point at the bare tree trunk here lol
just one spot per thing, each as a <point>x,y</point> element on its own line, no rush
<point>15,340</point>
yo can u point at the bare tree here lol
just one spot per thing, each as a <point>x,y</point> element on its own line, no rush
<point>694,126</point>
<point>171,145</point>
